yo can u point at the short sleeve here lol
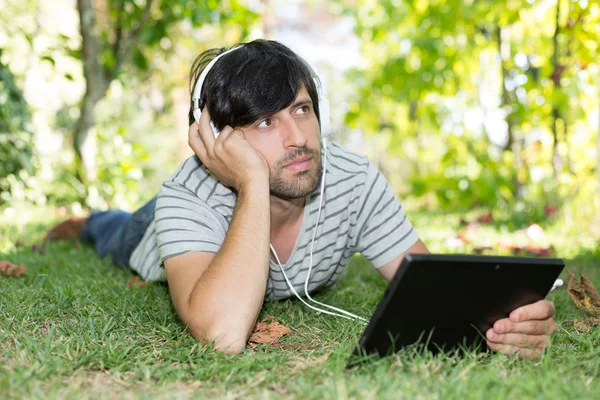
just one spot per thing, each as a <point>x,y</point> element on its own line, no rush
<point>381,230</point>
<point>186,223</point>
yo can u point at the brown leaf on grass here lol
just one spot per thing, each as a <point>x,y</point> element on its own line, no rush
<point>529,249</point>
<point>593,321</point>
<point>589,288</point>
<point>584,325</point>
<point>538,251</point>
<point>584,294</point>
<point>10,269</point>
<point>136,281</point>
<point>581,325</point>
<point>268,333</point>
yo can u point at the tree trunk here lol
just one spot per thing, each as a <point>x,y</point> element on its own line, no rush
<point>84,152</point>
<point>557,161</point>
<point>505,98</point>
<point>97,78</point>
<point>512,145</point>
<point>96,86</point>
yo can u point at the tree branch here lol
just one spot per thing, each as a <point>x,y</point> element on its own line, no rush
<point>93,71</point>
<point>558,69</point>
<point>127,43</point>
<point>505,94</point>
<point>118,30</point>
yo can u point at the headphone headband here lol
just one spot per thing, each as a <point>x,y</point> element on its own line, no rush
<point>324,110</point>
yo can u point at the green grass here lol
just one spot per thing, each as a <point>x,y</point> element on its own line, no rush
<point>70,328</point>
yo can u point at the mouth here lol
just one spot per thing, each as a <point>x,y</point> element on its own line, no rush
<point>299,164</point>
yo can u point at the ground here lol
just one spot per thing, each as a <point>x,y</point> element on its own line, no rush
<point>71,328</point>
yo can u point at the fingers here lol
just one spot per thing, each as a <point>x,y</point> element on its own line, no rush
<point>201,137</point>
<point>196,143</point>
<point>540,310</point>
<point>546,327</point>
<point>518,339</point>
<point>530,354</point>
<point>526,332</point>
<point>205,132</point>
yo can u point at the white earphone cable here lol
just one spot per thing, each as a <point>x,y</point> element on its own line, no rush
<point>296,293</point>
<point>340,312</point>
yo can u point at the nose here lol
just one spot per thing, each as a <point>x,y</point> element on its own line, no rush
<point>293,135</point>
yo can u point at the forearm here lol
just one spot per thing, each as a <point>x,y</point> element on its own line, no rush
<point>227,297</point>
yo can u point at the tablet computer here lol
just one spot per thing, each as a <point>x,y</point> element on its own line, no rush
<point>447,302</point>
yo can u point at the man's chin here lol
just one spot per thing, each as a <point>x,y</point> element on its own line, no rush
<point>291,191</point>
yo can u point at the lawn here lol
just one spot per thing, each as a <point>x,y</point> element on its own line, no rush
<point>71,328</point>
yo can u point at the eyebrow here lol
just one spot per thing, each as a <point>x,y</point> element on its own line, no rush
<point>301,102</point>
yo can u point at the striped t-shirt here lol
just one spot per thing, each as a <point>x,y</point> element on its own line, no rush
<point>360,213</point>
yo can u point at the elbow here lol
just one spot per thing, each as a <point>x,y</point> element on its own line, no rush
<point>226,338</point>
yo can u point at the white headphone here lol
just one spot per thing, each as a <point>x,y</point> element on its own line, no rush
<point>325,125</point>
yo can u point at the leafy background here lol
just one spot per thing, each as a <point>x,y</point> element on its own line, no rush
<point>462,104</point>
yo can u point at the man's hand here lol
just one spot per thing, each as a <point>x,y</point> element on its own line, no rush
<point>526,332</point>
<point>229,157</point>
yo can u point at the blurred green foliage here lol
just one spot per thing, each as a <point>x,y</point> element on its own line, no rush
<point>145,50</point>
<point>489,103</point>
<point>478,104</point>
<point>16,138</point>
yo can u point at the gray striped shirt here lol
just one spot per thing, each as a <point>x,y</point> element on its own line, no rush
<point>360,213</point>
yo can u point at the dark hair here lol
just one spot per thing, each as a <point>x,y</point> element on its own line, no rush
<point>257,80</point>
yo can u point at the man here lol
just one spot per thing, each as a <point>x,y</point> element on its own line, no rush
<point>235,223</point>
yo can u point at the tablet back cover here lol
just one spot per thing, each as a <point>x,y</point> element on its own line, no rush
<point>449,301</point>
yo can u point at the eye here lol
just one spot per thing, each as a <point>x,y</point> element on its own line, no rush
<point>303,110</point>
<point>265,123</point>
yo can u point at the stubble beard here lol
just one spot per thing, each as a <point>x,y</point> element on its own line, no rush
<point>301,183</point>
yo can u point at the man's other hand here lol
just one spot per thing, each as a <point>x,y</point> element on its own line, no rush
<point>526,332</point>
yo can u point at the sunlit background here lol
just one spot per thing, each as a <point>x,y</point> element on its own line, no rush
<point>462,104</point>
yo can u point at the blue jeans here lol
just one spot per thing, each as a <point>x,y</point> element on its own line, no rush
<point>117,232</point>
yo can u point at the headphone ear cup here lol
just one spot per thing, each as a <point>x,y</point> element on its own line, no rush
<point>324,114</point>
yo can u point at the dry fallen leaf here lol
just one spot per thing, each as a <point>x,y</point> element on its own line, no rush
<point>538,251</point>
<point>593,321</point>
<point>10,269</point>
<point>584,294</point>
<point>590,290</point>
<point>136,281</point>
<point>268,333</point>
<point>584,325</point>
<point>581,325</point>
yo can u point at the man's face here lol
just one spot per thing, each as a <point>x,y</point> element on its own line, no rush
<point>289,140</point>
